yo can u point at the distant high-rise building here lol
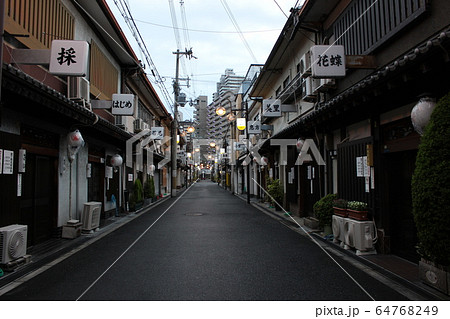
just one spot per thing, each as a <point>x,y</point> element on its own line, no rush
<point>227,87</point>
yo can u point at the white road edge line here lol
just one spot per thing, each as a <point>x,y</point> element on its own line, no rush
<point>132,244</point>
<point>320,246</point>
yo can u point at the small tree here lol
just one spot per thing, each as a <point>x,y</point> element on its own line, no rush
<point>275,190</point>
<point>138,191</point>
<point>149,188</point>
<point>323,209</point>
<point>431,187</point>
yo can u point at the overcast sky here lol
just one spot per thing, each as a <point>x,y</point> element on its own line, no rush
<point>212,36</point>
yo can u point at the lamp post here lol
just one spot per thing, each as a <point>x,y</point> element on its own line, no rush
<point>241,126</point>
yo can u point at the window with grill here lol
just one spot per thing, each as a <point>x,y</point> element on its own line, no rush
<point>367,24</point>
<point>103,75</point>
<point>43,21</point>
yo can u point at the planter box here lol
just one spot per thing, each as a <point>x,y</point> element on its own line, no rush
<point>435,276</point>
<point>340,211</point>
<point>356,214</point>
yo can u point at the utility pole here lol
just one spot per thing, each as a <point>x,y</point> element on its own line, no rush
<point>174,127</point>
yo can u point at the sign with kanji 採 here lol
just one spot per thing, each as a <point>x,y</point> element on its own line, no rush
<point>327,61</point>
<point>157,133</point>
<point>254,127</point>
<point>122,104</point>
<point>271,108</point>
<point>69,57</point>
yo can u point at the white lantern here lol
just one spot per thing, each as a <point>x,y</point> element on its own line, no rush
<point>299,144</point>
<point>420,114</point>
<point>151,170</point>
<point>240,123</point>
<point>75,139</point>
<point>74,143</point>
<point>116,160</point>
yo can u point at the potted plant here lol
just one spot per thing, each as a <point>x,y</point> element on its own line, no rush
<point>431,198</point>
<point>340,207</point>
<point>138,194</point>
<point>276,192</point>
<point>149,189</point>
<point>357,210</point>
<point>323,210</point>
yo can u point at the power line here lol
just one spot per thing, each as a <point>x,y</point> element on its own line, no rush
<point>124,10</point>
<point>206,31</point>
<point>241,35</point>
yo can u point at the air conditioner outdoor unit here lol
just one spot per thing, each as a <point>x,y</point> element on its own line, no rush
<point>78,88</point>
<point>138,125</point>
<point>360,235</point>
<point>305,65</point>
<point>13,242</point>
<point>91,215</point>
<point>337,225</point>
<point>308,89</point>
<point>325,84</point>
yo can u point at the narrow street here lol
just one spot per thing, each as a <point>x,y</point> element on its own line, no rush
<point>205,244</point>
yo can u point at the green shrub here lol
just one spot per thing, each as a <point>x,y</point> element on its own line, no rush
<point>138,191</point>
<point>276,191</point>
<point>149,188</point>
<point>323,209</point>
<point>431,187</point>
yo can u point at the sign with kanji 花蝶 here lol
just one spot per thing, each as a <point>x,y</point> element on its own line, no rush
<point>69,57</point>
<point>122,104</point>
<point>271,108</point>
<point>157,133</point>
<point>254,127</point>
<point>327,61</point>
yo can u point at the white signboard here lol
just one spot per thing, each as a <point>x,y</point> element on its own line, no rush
<point>327,61</point>
<point>157,133</point>
<point>8,162</point>
<point>1,161</point>
<point>271,108</point>
<point>122,104</point>
<point>69,57</point>
<point>254,127</point>
<point>108,172</point>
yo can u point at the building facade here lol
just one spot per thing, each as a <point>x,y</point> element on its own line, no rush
<point>396,53</point>
<point>59,139</point>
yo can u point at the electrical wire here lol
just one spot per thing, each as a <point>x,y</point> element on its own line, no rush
<point>281,9</point>
<point>238,29</point>
<point>206,31</point>
<point>126,14</point>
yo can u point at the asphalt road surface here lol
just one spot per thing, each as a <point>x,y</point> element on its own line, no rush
<point>205,244</point>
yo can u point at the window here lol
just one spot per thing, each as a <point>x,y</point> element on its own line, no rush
<point>366,25</point>
<point>43,21</point>
<point>103,75</point>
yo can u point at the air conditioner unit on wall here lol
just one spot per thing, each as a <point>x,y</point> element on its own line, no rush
<point>91,215</point>
<point>325,84</point>
<point>138,125</point>
<point>13,242</point>
<point>305,65</point>
<point>78,89</point>
<point>308,89</point>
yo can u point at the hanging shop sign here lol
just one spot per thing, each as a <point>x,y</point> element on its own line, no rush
<point>327,61</point>
<point>69,57</point>
<point>122,104</point>
<point>157,133</point>
<point>254,127</point>
<point>271,108</point>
